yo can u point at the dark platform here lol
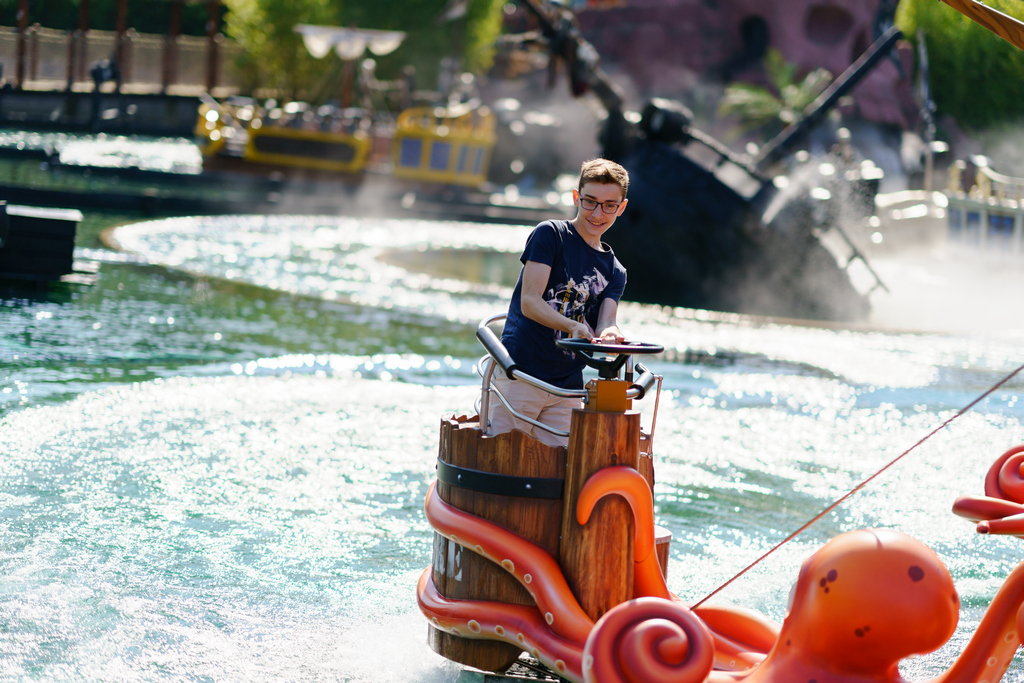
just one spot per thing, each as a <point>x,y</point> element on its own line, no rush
<point>99,112</point>
<point>37,244</point>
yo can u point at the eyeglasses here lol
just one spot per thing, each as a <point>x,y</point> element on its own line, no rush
<point>607,207</point>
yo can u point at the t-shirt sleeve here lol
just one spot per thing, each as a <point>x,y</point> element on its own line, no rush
<point>616,286</point>
<point>541,245</point>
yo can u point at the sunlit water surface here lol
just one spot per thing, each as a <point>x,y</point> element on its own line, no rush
<point>216,471</point>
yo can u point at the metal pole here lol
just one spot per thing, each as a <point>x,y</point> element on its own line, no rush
<point>19,71</point>
<point>1018,229</point>
<point>33,54</point>
<point>347,76</point>
<point>212,24</point>
<point>170,70</point>
<point>929,166</point>
<point>81,40</point>
<point>119,49</point>
<point>72,42</point>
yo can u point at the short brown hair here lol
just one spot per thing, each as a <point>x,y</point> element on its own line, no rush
<point>604,171</point>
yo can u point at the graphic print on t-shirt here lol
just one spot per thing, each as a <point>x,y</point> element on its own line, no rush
<point>571,299</point>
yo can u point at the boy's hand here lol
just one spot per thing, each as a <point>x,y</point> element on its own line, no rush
<point>580,330</point>
<point>611,334</point>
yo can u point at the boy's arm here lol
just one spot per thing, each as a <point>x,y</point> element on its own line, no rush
<point>606,327</point>
<point>531,301</point>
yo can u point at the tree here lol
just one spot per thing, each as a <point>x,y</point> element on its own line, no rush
<point>276,58</point>
<point>145,17</point>
<point>769,110</point>
<point>976,77</point>
<point>483,26</point>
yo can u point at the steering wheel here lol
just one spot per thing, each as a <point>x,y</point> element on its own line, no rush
<point>607,368</point>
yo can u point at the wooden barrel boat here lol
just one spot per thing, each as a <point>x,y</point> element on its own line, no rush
<point>553,552</point>
<point>522,485</point>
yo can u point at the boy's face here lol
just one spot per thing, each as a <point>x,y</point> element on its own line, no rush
<point>592,200</point>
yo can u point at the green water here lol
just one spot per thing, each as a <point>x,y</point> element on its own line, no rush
<point>215,457</point>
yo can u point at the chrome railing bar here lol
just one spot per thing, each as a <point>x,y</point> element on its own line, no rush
<point>485,395</point>
<point>536,423</point>
<point>516,373</point>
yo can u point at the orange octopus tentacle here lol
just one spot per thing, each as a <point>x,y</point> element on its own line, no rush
<point>631,485</point>
<point>530,564</point>
<point>991,648</point>
<point>754,630</point>
<point>732,649</point>
<point>731,655</point>
<point>1012,525</point>
<point>648,639</point>
<point>980,508</point>
<point>520,625</point>
<point>742,637</point>
<point>648,581</point>
<point>1004,479</point>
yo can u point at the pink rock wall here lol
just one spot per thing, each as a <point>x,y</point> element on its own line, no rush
<point>649,39</point>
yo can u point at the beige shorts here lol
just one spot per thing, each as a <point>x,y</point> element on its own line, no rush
<point>535,403</point>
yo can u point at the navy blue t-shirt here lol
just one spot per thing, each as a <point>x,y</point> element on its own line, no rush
<point>581,279</point>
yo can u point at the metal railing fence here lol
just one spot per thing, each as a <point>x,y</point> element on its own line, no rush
<point>55,60</point>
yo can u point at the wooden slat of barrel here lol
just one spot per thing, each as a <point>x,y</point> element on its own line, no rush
<point>462,574</point>
<point>662,542</point>
<point>646,467</point>
<point>597,559</point>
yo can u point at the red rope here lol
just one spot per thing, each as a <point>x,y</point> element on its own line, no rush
<point>859,486</point>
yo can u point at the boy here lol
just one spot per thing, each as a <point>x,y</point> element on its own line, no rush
<point>570,286</point>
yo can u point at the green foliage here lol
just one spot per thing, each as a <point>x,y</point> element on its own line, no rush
<point>976,77</point>
<point>427,39</point>
<point>770,110</point>
<point>145,17</point>
<point>277,59</point>
<point>483,26</point>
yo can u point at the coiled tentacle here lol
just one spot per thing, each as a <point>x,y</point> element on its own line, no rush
<point>645,640</point>
<point>1001,509</point>
<point>530,564</point>
<point>520,625</point>
<point>1005,479</point>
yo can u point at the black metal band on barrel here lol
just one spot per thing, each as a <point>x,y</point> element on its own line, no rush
<point>498,484</point>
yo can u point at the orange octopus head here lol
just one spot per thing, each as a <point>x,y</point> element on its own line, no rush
<point>868,599</point>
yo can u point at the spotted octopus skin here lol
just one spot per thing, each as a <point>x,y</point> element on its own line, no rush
<point>530,564</point>
<point>1001,509</point>
<point>863,602</point>
<point>654,639</point>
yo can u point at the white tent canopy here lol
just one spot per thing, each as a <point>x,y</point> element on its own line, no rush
<point>348,43</point>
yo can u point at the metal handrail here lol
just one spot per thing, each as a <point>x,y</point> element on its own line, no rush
<point>497,356</point>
